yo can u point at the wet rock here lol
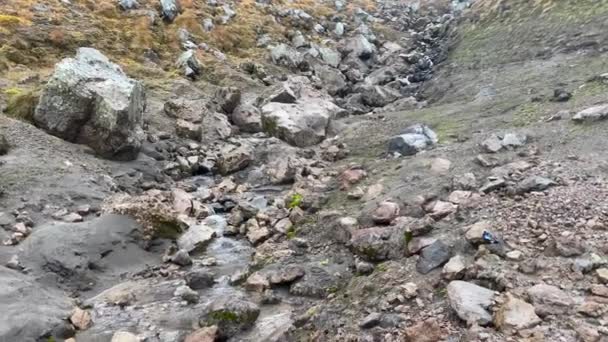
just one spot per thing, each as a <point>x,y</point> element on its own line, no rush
<point>71,250</point>
<point>196,238</point>
<point>189,64</point>
<point>257,282</point>
<point>181,258</point>
<point>286,275</point>
<point>256,233</point>
<point>198,280</point>
<point>515,315</point>
<point>206,334</point>
<point>385,212</point>
<point>187,294</point>
<point>29,310</point>
<point>454,269</point>
<point>247,118</point>
<point>90,100</point>
<point>413,140</point>
<point>432,257</point>
<point>231,315</point>
<point>169,9</point>
<point>591,114</point>
<point>152,209</point>
<point>234,158</point>
<point>549,300</point>
<point>470,302</point>
<point>371,320</point>
<point>534,183</point>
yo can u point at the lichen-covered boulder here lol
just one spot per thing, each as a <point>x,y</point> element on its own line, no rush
<point>90,100</point>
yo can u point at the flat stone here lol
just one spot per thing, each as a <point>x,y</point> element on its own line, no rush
<point>196,238</point>
<point>515,315</point>
<point>470,302</point>
<point>257,282</point>
<point>371,320</point>
<point>124,336</point>
<point>602,274</point>
<point>454,268</point>
<point>385,212</point>
<point>432,257</point>
<point>592,114</point>
<point>548,299</point>
<point>440,166</point>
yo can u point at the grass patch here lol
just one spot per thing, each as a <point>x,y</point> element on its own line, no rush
<point>527,114</point>
<point>21,104</point>
<point>295,201</point>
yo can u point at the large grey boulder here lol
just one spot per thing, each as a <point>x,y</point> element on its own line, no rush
<point>29,310</point>
<point>196,238</point>
<point>301,124</point>
<point>302,115</point>
<point>378,243</point>
<point>90,100</point>
<point>378,96</point>
<point>332,79</point>
<point>413,140</point>
<point>360,47</point>
<point>169,9</point>
<point>330,56</point>
<point>231,315</point>
<point>470,302</point>
<point>591,114</point>
<point>286,55</point>
<point>247,118</point>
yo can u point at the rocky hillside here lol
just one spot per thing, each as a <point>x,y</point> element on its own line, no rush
<point>218,170</point>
